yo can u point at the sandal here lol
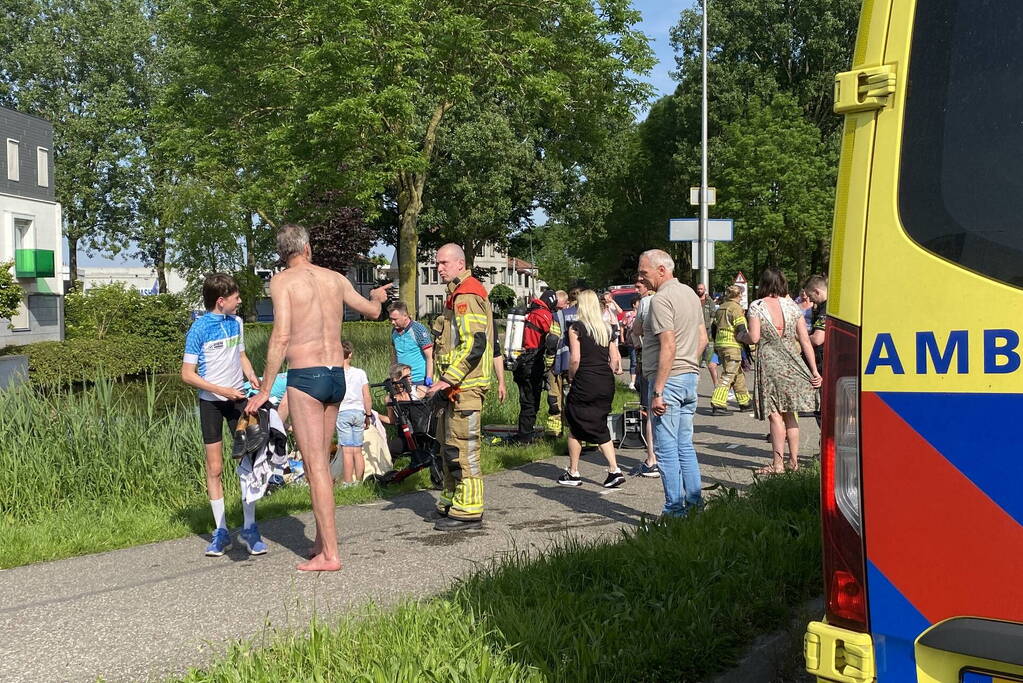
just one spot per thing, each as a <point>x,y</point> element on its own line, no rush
<point>768,470</point>
<point>789,467</point>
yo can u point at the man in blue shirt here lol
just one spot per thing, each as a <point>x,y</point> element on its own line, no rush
<point>215,363</point>
<point>411,344</point>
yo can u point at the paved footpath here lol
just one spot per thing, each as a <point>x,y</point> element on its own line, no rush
<point>155,610</point>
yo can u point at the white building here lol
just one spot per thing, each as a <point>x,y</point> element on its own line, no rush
<point>521,276</point>
<point>140,278</point>
<point>30,229</point>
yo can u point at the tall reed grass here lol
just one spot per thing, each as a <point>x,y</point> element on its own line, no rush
<point>116,464</point>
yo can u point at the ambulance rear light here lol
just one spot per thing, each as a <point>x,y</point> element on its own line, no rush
<point>847,450</point>
<point>841,518</point>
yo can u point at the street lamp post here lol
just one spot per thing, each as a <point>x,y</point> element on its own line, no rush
<point>704,271</point>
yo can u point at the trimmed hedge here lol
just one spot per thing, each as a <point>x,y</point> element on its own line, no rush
<point>83,359</point>
<point>74,361</point>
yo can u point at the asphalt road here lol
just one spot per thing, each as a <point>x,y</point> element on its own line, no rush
<point>155,610</point>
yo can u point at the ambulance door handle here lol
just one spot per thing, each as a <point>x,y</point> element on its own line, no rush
<point>864,89</point>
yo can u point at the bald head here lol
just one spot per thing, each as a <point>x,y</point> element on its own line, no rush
<point>450,262</point>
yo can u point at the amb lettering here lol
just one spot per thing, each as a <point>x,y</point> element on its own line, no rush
<point>1002,353</point>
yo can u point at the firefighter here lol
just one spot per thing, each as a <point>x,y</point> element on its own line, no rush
<point>531,366</point>
<point>729,321</point>
<point>463,365</point>
<point>554,381</point>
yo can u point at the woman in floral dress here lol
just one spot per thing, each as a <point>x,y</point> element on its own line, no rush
<point>786,380</point>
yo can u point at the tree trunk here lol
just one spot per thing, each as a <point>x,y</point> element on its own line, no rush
<point>250,244</point>
<point>72,260</point>
<point>411,187</point>
<point>250,264</point>
<point>160,264</point>
<point>470,254</point>
<point>409,207</point>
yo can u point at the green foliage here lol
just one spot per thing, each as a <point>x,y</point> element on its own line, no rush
<point>83,359</point>
<point>115,464</point>
<point>10,291</point>
<point>366,106</point>
<point>117,310</point>
<point>252,289</point>
<point>764,54</point>
<point>552,248</point>
<point>697,590</point>
<point>451,646</point>
<point>670,601</point>
<point>487,176</point>
<point>778,182</point>
<point>760,48</point>
<point>503,297</point>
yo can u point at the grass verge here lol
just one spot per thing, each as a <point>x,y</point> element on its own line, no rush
<point>671,601</point>
<point>113,465</point>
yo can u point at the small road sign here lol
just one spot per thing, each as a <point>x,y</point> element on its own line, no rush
<point>694,196</point>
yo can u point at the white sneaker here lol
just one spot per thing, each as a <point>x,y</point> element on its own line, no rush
<point>632,386</point>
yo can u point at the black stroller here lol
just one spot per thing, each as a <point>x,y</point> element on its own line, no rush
<point>415,423</point>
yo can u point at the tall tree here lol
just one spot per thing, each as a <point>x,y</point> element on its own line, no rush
<point>338,234</point>
<point>488,180</point>
<point>76,64</point>
<point>761,47</point>
<point>776,182</point>
<point>357,93</point>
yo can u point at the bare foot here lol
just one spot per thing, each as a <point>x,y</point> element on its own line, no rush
<point>768,470</point>
<point>319,564</point>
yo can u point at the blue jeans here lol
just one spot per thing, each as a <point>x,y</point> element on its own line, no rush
<point>673,444</point>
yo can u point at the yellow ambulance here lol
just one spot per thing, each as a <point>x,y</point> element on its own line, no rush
<point>922,434</point>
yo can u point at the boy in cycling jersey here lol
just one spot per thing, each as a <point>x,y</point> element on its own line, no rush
<point>215,363</point>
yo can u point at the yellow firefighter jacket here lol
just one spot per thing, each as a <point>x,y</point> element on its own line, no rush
<point>729,317</point>
<point>464,351</point>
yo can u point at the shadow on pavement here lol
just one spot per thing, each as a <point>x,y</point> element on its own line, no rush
<point>287,532</point>
<point>589,498</point>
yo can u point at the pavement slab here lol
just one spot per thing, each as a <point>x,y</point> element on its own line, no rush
<point>148,612</point>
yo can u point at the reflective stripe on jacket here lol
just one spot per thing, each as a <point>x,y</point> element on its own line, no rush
<point>729,317</point>
<point>463,353</point>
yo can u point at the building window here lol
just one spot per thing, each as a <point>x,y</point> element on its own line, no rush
<point>426,275</point>
<point>435,275</point>
<point>43,166</point>
<point>23,234</point>
<point>13,161</point>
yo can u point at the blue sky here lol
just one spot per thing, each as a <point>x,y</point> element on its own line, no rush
<point>658,18</point>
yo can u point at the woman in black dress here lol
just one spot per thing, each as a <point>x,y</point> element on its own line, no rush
<point>594,361</point>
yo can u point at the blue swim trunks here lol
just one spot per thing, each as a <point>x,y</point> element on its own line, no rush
<point>326,385</point>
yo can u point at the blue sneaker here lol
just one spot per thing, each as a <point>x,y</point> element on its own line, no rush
<point>220,543</point>
<point>251,540</point>
<point>644,470</point>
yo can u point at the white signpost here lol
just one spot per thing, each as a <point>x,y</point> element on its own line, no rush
<point>688,230</point>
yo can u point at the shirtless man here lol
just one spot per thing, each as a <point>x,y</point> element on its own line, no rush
<point>309,305</point>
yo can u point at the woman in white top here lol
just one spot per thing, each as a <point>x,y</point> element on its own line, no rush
<point>611,312</point>
<point>354,416</point>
